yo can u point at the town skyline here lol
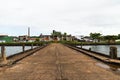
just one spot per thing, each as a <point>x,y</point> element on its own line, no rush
<point>29,33</point>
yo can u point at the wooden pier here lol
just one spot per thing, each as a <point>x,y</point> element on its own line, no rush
<point>57,62</point>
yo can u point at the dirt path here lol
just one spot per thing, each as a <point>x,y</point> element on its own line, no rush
<point>57,62</point>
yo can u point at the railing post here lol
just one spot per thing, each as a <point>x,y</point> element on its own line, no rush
<point>3,54</point>
<point>113,52</point>
<point>31,46</point>
<point>81,44</point>
<point>89,49</point>
<point>37,45</point>
<point>23,47</point>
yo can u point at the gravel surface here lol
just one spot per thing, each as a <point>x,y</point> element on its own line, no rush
<point>57,62</point>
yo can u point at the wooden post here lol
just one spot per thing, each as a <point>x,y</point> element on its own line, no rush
<point>3,54</point>
<point>113,52</point>
<point>23,47</point>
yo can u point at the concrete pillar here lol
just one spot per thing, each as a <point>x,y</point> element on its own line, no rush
<point>3,54</point>
<point>31,46</point>
<point>37,45</point>
<point>89,49</point>
<point>113,52</point>
<point>23,47</point>
<point>81,44</point>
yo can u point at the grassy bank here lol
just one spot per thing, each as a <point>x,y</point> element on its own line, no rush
<point>88,43</point>
<point>25,43</point>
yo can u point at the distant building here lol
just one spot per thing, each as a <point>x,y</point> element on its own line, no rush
<point>23,38</point>
<point>88,39</point>
<point>46,38</point>
<point>33,39</point>
<point>79,38</point>
<point>83,38</point>
<point>69,38</point>
<point>6,38</point>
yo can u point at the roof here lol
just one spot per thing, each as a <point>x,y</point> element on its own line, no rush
<point>2,35</point>
<point>45,35</point>
<point>23,36</point>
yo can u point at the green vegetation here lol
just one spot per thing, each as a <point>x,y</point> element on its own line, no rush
<point>110,38</point>
<point>88,43</point>
<point>95,36</point>
<point>59,34</point>
<point>6,38</point>
<point>56,33</point>
<point>25,43</point>
<point>37,40</point>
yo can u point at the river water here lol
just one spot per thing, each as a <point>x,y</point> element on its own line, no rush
<point>105,49</point>
<point>10,50</point>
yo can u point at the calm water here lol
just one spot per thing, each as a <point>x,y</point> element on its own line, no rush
<point>15,49</point>
<point>102,48</point>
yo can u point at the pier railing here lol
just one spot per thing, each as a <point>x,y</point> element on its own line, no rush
<point>3,57</point>
<point>112,58</point>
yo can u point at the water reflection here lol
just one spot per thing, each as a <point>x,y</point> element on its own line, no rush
<point>10,50</point>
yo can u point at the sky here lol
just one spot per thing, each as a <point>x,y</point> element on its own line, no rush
<point>76,17</point>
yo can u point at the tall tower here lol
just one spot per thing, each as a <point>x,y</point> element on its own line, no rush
<point>28,31</point>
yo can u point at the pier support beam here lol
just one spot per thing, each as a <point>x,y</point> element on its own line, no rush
<point>113,52</point>
<point>3,54</point>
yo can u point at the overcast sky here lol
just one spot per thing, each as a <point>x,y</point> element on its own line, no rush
<point>76,17</point>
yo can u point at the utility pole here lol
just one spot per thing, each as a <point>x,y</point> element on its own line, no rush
<point>28,31</point>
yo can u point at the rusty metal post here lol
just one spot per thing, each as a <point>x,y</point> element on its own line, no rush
<point>23,47</point>
<point>113,52</point>
<point>3,54</point>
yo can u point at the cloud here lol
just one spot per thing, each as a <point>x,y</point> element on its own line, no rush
<point>72,16</point>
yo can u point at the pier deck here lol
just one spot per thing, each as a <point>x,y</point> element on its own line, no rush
<point>57,62</point>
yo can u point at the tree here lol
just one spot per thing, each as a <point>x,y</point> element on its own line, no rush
<point>110,38</point>
<point>37,40</point>
<point>95,36</point>
<point>118,36</point>
<point>56,34</point>
<point>65,35</point>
